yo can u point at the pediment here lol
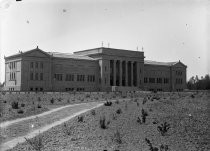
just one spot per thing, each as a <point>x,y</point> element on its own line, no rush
<point>36,53</point>
<point>179,65</point>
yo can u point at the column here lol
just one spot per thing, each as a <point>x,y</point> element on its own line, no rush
<point>126,73</point>
<point>120,66</point>
<point>138,74</point>
<point>131,73</point>
<point>114,73</point>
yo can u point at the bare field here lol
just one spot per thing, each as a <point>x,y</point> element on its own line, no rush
<point>13,106</point>
<point>147,122</point>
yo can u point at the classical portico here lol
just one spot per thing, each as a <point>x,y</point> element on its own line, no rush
<point>118,67</point>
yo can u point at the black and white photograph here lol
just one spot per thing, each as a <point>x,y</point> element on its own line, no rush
<point>104,75</point>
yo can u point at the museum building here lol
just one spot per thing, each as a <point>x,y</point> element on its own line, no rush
<point>98,69</point>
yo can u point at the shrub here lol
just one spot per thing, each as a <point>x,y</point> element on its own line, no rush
<point>144,114</point>
<point>151,148</point>
<point>66,129</point>
<point>139,120</point>
<point>80,118</point>
<point>103,123</point>
<point>59,99</point>
<point>119,111</point>
<point>144,100</point>
<point>163,128</point>
<point>137,103</point>
<point>39,106</point>
<point>126,106</point>
<point>5,101</point>
<point>22,105</point>
<point>52,101</point>
<point>20,111</point>
<point>114,117</point>
<point>36,143</point>
<point>117,101</point>
<point>14,105</point>
<point>117,137</point>
<point>192,96</point>
<point>39,99</point>
<point>108,103</point>
<point>93,112</point>
<point>164,147</point>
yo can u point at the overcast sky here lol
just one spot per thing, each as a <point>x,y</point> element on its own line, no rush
<point>167,30</point>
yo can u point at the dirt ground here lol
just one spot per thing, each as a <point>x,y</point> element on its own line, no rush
<point>187,115</point>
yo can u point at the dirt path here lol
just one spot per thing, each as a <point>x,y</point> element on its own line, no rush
<point>13,132</point>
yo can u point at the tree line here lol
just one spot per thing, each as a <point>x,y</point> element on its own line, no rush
<point>195,83</point>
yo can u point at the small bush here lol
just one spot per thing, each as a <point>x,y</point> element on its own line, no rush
<point>144,100</point>
<point>164,147</point>
<point>66,129</point>
<point>103,123</point>
<point>192,96</point>
<point>144,114</point>
<point>139,120</point>
<point>22,105</point>
<point>80,118</point>
<point>52,101</point>
<point>126,106</point>
<point>119,111</point>
<point>5,101</point>
<point>117,101</point>
<point>108,103</point>
<point>36,143</point>
<point>151,148</point>
<point>20,111</point>
<point>39,106</point>
<point>14,105</point>
<point>163,128</point>
<point>59,99</point>
<point>117,137</point>
<point>93,112</point>
<point>39,99</point>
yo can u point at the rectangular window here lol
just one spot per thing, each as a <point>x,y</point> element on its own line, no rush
<point>31,76</point>
<point>32,65</point>
<point>58,77</point>
<point>145,80</point>
<point>41,76</point>
<point>41,65</point>
<point>37,65</point>
<point>36,76</point>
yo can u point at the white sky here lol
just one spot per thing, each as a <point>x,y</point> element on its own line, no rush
<point>167,30</point>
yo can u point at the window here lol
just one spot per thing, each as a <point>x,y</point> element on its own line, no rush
<point>36,76</point>
<point>80,77</point>
<point>41,89</point>
<point>58,77</point>
<point>151,80</point>
<point>31,89</point>
<point>37,65</point>
<point>69,77</point>
<point>36,89</point>
<point>41,65</point>
<point>41,76</point>
<point>31,76</point>
<point>145,80</point>
<point>165,80</point>
<point>159,80</point>
<point>32,65</point>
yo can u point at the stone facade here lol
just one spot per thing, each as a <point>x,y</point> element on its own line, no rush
<point>98,69</point>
